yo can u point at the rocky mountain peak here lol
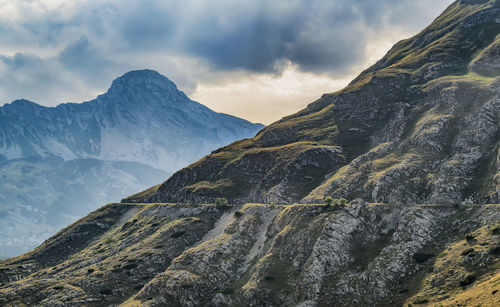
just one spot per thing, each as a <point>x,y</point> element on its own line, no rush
<point>135,103</point>
<point>22,102</point>
<point>144,84</point>
<point>20,107</point>
<point>144,77</point>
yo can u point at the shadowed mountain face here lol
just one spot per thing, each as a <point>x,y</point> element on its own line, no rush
<point>142,118</point>
<point>421,125</point>
<point>57,164</point>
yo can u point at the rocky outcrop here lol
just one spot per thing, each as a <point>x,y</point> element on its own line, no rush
<point>419,126</point>
<point>259,255</point>
<point>105,257</point>
<point>487,62</point>
<point>279,174</point>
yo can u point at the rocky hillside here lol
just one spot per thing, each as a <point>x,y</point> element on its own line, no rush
<point>417,135</point>
<point>58,164</point>
<point>264,255</point>
<point>419,126</point>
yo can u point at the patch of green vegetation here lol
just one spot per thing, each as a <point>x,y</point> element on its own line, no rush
<point>229,181</point>
<point>319,127</point>
<point>328,200</point>
<point>471,78</point>
<point>386,164</point>
<point>430,123</point>
<point>221,203</point>
<point>335,202</point>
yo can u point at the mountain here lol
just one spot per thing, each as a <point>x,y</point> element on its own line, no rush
<point>141,118</point>
<point>419,126</point>
<point>264,255</point>
<point>57,163</point>
<point>416,136</point>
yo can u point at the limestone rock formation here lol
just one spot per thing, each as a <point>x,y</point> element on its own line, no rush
<point>263,255</point>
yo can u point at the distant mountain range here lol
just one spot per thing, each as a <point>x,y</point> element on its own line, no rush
<point>58,163</point>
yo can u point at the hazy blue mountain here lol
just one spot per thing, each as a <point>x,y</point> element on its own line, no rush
<point>58,163</point>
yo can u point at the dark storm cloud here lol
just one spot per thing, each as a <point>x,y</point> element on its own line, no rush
<point>320,37</point>
<point>94,40</point>
<point>83,59</point>
<point>323,36</point>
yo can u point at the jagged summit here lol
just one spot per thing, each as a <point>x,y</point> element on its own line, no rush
<point>22,103</point>
<point>145,91</point>
<point>143,81</point>
<point>143,74</point>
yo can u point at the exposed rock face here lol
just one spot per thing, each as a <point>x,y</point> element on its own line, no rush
<point>260,255</point>
<point>421,125</point>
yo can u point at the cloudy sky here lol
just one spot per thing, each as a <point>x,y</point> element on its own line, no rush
<point>257,59</point>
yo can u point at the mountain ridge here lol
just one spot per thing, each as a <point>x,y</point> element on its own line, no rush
<point>401,120</point>
<point>127,97</point>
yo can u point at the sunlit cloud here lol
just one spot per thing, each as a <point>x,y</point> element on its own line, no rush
<point>265,98</point>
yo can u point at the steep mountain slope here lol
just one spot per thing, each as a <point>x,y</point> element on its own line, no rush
<point>57,164</point>
<point>264,255</point>
<point>421,125</point>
